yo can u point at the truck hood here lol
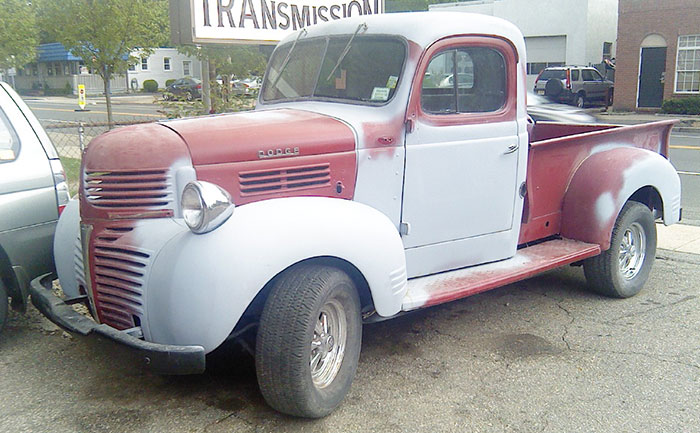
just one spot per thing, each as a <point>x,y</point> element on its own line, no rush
<point>265,134</point>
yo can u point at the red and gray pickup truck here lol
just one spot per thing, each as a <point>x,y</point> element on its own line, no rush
<point>389,165</point>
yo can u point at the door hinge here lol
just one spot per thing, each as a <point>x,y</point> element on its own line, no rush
<point>405,229</point>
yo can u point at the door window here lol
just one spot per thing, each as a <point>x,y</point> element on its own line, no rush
<point>9,143</point>
<point>587,75</point>
<point>464,80</point>
<point>574,75</point>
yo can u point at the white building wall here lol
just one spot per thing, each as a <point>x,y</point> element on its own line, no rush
<point>581,26</point>
<point>156,69</point>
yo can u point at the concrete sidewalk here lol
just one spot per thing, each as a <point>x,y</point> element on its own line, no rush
<point>679,237</point>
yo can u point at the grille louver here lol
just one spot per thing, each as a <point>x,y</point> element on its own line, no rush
<point>118,275</point>
<point>150,189</point>
<point>291,178</point>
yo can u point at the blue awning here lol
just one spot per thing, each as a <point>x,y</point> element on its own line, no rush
<point>55,52</point>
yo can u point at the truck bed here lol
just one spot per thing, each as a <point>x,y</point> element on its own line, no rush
<point>557,150</point>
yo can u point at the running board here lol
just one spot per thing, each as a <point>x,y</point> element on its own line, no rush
<point>527,262</point>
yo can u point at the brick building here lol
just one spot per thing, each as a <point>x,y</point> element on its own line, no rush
<point>658,52</point>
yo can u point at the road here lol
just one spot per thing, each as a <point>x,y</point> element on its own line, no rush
<point>543,355</point>
<point>685,156</point>
<point>57,110</point>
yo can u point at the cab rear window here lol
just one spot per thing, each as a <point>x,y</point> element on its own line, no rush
<point>9,143</point>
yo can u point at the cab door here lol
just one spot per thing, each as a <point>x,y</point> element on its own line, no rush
<point>462,157</point>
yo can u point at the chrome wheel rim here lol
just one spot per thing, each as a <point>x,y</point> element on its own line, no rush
<point>632,251</point>
<point>328,343</point>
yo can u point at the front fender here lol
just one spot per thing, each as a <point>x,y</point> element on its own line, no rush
<point>605,181</point>
<point>200,285</point>
<point>67,250</point>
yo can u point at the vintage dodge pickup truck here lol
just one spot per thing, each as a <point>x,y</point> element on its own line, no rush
<point>389,165</point>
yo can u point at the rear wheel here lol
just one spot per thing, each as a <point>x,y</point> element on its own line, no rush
<point>580,100</point>
<point>308,342</point>
<point>3,305</point>
<point>622,270</point>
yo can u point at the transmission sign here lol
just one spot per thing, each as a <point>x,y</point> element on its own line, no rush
<point>257,21</point>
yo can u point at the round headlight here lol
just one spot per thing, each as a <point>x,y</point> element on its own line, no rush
<point>192,207</point>
<point>205,206</point>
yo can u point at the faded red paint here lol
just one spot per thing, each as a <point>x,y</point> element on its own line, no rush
<point>242,136</point>
<point>287,175</point>
<point>553,161</point>
<point>534,260</point>
<point>127,163</point>
<point>602,173</point>
<point>507,113</point>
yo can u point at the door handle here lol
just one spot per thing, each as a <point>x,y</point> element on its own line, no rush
<point>512,148</point>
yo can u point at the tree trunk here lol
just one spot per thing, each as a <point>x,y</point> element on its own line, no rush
<point>108,97</point>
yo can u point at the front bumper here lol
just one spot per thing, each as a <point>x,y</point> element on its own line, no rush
<point>160,358</point>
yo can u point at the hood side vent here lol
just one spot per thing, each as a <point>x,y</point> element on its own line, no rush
<point>151,189</point>
<point>258,182</point>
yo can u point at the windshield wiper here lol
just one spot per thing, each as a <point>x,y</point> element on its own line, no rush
<point>362,26</point>
<point>289,56</point>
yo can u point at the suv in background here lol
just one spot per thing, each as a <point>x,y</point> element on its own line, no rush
<point>576,85</point>
<point>33,192</point>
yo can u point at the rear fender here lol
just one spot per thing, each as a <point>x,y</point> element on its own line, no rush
<point>200,285</point>
<point>605,181</point>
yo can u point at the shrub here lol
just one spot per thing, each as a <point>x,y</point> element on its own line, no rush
<point>150,86</point>
<point>169,82</point>
<point>690,105</point>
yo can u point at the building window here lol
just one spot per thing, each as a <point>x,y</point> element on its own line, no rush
<point>132,67</point>
<point>166,63</point>
<point>144,63</point>
<point>688,64</point>
<point>537,67</point>
<point>186,67</point>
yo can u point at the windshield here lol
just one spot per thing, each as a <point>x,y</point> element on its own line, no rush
<point>369,71</point>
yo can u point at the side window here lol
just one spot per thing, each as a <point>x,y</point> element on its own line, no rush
<point>9,142</point>
<point>574,74</point>
<point>597,76</point>
<point>587,75</point>
<point>464,80</point>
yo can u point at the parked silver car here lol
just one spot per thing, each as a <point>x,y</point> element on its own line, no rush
<point>33,192</point>
<point>576,85</point>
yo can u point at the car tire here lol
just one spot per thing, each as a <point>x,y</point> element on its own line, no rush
<point>622,270</point>
<point>553,88</point>
<point>188,96</point>
<point>4,301</point>
<point>580,100</point>
<point>308,341</point>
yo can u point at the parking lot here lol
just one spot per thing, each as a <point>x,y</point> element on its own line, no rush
<point>541,355</point>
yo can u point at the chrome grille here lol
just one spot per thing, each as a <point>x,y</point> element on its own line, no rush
<point>290,178</point>
<point>150,189</point>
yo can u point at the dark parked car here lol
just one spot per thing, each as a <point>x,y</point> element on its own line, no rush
<point>576,85</point>
<point>184,88</point>
<point>33,192</point>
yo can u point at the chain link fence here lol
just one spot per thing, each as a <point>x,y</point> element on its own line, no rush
<point>71,138</point>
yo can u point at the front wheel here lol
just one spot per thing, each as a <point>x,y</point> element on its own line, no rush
<point>308,342</point>
<point>622,270</point>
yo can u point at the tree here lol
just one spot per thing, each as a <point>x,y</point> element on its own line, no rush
<point>18,34</point>
<point>238,61</point>
<point>104,33</point>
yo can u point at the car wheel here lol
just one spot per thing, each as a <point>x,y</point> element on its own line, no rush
<point>580,100</point>
<point>166,97</point>
<point>308,342</point>
<point>4,300</point>
<point>188,96</point>
<point>622,270</point>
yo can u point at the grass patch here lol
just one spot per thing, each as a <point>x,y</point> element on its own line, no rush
<point>72,168</point>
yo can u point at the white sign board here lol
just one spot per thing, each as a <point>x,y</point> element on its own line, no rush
<point>258,21</point>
